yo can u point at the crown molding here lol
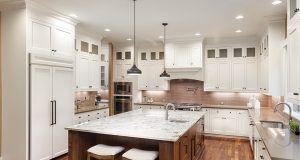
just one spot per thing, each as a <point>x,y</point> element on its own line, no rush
<point>11,4</point>
<point>31,4</point>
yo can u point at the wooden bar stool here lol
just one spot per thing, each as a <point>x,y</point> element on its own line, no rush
<point>137,154</point>
<point>104,152</point>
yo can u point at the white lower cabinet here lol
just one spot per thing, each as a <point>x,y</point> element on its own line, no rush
<point>141,106</point>
<point>52,109</point>
<point>226,121</point>
<point>89,116</point>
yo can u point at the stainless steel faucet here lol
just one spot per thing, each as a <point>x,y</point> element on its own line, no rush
<point>290,109</point>
<point>167,109</point>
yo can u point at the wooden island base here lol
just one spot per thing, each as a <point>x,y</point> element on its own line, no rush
<point>190,146</point>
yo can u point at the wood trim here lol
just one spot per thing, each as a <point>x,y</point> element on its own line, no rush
<point>111,80</point>
<point>0,89</point>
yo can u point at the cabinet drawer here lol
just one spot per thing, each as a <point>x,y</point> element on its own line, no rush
<point>223,112</point>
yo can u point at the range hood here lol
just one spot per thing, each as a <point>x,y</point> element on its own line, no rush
<point>187,74</point>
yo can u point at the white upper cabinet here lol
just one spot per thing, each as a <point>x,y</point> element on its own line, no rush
<point>293,12</point>
<point>88,65</point>
<point>294,63</point>
<point>244,75</point>
<point>48,39</point>
<point>270,60</point>
<point>221,53</point>
<point>217,76</point>
<point>184,55</point>
<point>251,76</point>
<point>244,53</point>
<point>238,75</point>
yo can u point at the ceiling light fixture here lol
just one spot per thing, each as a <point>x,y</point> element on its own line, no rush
<point>239,17</point>
<point>164,74</point>
<point>276,2</point>
<point>107,30</point>
<point>129,39</point>
<point>197,34</point>
<point>134,69</point>
<point>238,31</point>
<point>161,37</point>
<point>73,15</point>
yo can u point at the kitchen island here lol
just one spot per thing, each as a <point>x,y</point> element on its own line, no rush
<point>178,138</point>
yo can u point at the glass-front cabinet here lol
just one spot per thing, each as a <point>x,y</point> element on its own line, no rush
<point>293,12</point>
<point>217,53</point>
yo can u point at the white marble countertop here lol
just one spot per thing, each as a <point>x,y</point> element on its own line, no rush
<point>143,123</point>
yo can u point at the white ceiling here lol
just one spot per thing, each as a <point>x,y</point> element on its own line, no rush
<point>211,18</point>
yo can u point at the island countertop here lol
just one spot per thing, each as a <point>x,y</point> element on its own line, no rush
<point>143,123</point>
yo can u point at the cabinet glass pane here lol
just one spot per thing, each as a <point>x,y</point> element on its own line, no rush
<point>293,7</point>
<point>161,55</point>
<point>153,55</point>
<point>102,57</point>
<point>223,53</point>
<point>143,56</point>
<point>119,56</point>
<point>102,75</point>
<point>237,52</point>
<point>94,49</point>
<point>127,55</point>
<point>211,53</point>
<point>250,52</point>
<point>84,46</point>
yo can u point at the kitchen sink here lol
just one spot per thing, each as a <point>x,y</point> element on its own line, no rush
<point>178,121</point>
<point>273,124</point>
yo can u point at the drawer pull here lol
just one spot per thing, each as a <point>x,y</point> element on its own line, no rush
<point>296,94</point>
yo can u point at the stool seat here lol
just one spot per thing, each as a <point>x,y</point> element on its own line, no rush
<point>105,150</point>
<point>137,154</point>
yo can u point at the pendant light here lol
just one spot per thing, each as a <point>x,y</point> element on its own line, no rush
<point>134,70</point>
<point>164,74</point>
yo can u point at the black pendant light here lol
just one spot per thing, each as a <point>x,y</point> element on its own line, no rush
<point>165,74</point>
<point>134,70</point>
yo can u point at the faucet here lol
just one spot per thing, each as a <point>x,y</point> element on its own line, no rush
<point>290,109</point>
<point>167,109</point>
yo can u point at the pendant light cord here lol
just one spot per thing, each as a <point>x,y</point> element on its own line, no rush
<point>134,32</point>
<point>165,25</point>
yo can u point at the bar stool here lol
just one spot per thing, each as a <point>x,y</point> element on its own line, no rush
<point>102,151</point>
<point>137,154</point>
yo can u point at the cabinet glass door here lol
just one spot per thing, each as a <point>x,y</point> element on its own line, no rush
<point>127,55</point>
<point>237,53</point>
<point>103,76</point>
<point>250,52</point>
<point>84,46</point>
<point>94,49</point>
<point>161,55</point>
<point>223,53</point>
<point>293,8</point>
<point>119,56</point>
<point>211,53</point>
<point>144,56</point>
<point>153,55</point>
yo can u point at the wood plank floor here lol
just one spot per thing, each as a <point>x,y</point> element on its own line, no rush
<point>220,149</point>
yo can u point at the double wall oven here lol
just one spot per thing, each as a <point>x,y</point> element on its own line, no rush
<point>122,97</point>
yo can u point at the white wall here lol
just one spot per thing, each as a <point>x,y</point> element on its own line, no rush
<point>15,92</point>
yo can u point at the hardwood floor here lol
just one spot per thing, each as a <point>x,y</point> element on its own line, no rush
<point>227,149</point>
<point>220,149</point>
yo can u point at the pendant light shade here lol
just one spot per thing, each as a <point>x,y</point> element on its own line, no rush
<point>165,74</point>
<point>134,69</point>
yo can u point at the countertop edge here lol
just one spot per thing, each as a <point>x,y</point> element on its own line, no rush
<point>96,109</point>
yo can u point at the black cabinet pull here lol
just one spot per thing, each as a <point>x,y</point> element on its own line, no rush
<point>296,10</point>
<point>261,157</point>
<point>54,112</point>
<point>296,94</point>
<point>51,113</point>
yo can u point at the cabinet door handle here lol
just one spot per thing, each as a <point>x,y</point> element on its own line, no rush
<point>51,113</point>
<point>54,112</point>
<point>261,157</point>
<point>296,94</point>
<point>296,10</point>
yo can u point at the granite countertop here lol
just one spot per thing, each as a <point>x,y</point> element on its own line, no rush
<point>154,103</point>
<point>142,123</point>
<point>280,143</point>
<point>224,106</point>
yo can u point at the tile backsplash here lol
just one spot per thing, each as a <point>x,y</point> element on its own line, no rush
<point>88,98</point>
<point>192,91</point>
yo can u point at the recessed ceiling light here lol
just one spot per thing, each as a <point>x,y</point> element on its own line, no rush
<point>73,15</point>
<point>276,2</point>
<point>107,30</point>
<point>197,34</point>
<point>239,17</point>
<point>128,39</point>
<point>161,37</point>
<point>238,31</point>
